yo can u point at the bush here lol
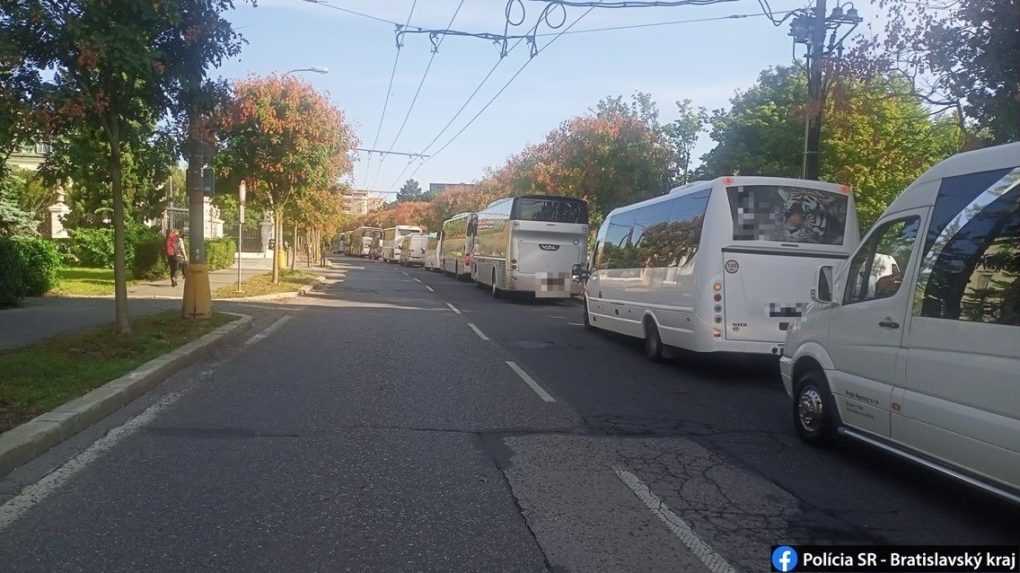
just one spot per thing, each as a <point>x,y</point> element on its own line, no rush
<point>220,253</point>
<point>28,267</point>
<point>93,247</point>
<point>149,260</point>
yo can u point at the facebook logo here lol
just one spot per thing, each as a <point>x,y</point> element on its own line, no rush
<point>784,558</point>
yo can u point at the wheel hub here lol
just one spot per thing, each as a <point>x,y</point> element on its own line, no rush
<point>810,409</point>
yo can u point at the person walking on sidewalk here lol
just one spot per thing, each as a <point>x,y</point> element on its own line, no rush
<point>176,255</point>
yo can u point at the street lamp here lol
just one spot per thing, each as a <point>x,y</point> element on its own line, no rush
<point>313,69</point>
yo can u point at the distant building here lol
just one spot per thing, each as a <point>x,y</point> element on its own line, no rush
<point>359,203</point>
<point>29,156</point>
<point>437,188</point>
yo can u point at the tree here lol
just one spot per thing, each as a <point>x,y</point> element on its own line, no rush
<point>964,56</point>
<point>682,135</point>
<point>411,191</point>
<point>876,138</point>
<point>280,133</point>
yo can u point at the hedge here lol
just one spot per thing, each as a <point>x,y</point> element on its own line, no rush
<point>149,261</point>
<point>28,267</point>
<point>92,247</point>
<point>220,253</point>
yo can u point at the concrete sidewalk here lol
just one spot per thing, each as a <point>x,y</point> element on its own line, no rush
<point>42,317</point>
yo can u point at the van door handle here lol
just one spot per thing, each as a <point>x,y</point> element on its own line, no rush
<point>889,323</point>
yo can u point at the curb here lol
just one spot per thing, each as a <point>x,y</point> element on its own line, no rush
<point>276,296</point>
<point>23,443</point>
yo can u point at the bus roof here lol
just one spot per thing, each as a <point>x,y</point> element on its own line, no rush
<point>459,216</point>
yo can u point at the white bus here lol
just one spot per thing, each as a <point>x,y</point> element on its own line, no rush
<point>530,244</point>
<point>391,241</point>
<point>723,265</point>
<point>455,246</point>
<point>363,240</point>
<point>432,252</point>
<point>413,249</point>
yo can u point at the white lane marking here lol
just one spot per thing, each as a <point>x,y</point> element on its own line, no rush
<point>40,490</point>
<point>477,331</point>
<point>530,381</point>
<point>269,330</point>
<point>576,323</point>
<point>703,551</point>
<point>417,280</point>
<point>404,273</point>
<point>430,289</point>
<point>453,308</point>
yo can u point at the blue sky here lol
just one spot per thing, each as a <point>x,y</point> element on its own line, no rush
<point>705,62</point>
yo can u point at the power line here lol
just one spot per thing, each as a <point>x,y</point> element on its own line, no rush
<point>389,89</point>
<point>505,86</point>
<point>353,12</point>
<point>667,23</point>
<point>421,84</point>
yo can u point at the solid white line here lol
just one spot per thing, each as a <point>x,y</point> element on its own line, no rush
<point>530,381</point>
<point>703,551</point>
<point>269,330</point>
<point>430,289</point>
<point>477,331</point>
<point>453,308</point>
<point>40,490</point>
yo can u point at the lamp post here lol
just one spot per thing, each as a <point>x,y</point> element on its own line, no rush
<point>313,69</point>
<point>241,189</point>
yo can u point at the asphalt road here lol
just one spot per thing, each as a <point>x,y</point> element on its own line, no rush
<point>403,420</point>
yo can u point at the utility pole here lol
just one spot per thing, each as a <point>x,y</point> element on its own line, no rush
<point>196,303</point>
<point>816,96</point>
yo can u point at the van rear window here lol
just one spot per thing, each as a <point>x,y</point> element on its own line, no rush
<point>787,214</point>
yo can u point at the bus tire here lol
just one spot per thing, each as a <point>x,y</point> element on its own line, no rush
<point>653,342</point>
<point>814,409</point>
<point>495,291</point>
<point>587,318</point>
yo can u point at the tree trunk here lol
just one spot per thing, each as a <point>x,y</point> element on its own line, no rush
<point>120,303</point>
<point>308,248</point>
<point>293,248</point>
<point>277,243</point>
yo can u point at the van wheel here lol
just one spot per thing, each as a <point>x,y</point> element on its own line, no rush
<point>495,291</point>
<point>814,409</point>
<point>653,342</point>
<point>587,319</point>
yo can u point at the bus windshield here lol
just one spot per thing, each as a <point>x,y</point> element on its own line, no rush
<point>552,210</point>
<point>787,214</point>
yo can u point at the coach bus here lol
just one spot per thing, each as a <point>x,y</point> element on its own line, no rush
<point>723,265</point>
<point>455,246</point>
<point>432,252</point>
<point>363,240</point>
<point>391,241</point>
<point>530,244</point>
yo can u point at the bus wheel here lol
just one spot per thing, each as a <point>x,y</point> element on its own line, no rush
<point>653,343</point>
<point>495,291</point>
<point>814,410</point>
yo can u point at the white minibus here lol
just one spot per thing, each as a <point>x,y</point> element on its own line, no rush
<point>391,241</point>
<point>363,240</point>
<point>913,346</point>
<point>530,244</point>
<point>432,252</point>
<point>717,266</point>
<point>455,246</point>
<point>412,249</point>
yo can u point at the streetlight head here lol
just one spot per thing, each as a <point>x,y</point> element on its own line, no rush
<point>319,69</point>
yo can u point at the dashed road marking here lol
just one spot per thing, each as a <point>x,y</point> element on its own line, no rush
<point>269,330</point>
<point>703,551</point>
<point>576,323</point>
<point>430,289</point>
<point>417,280</point>
<point>478,331</point>
<point>545,396</point>
<point>453,308</point>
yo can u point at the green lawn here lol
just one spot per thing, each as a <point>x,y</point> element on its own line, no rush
<point>290,281</point>
<point>84,281</point>
<point>40,377</point>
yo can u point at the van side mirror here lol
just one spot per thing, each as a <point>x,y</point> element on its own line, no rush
<point>822,293</point>
<point>579,273</point>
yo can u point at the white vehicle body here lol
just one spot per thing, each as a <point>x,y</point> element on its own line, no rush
<point>920,355</point>
<point>432,252</point>
<point>530,244</point>
<point>413,249</point>
<point>391,241</point>
<point>718,266</point>
<point>363,240</point>
<point>455,246</point>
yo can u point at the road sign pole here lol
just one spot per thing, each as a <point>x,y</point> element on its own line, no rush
<point>241,189</point>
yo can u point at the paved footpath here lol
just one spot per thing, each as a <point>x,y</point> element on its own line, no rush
<point>43,317</point>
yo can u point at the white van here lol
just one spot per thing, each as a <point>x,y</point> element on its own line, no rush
<point>913,346</point>
<point>717,266</point>
<point>432,252</point>
<point>413,249</point>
